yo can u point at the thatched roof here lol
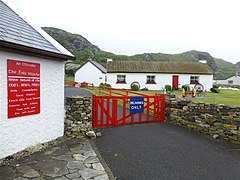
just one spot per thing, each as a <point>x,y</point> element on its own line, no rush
<point>158,67</point>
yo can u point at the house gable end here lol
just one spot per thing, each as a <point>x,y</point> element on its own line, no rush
<point>94,65</point>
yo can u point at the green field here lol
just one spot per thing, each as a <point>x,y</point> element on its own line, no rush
<point>70,78</point>
<point>227,97</point>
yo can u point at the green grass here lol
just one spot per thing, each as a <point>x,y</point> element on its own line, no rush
<point>227,97</point>
<point>70,78</point>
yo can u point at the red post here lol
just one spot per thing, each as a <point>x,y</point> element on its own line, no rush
<point>114,111</point>
<point>124,110</point>
<point>155,108</point>
<point>108,112</point>
<point>94,111</point>
<point>148,112</point>
<point>101,111</point>
<point>163,107</point>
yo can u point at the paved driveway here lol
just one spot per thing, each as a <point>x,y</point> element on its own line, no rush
<point>165,151</point>
<point>72,91</point>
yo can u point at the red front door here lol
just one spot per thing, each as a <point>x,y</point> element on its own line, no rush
<point>174,82</point>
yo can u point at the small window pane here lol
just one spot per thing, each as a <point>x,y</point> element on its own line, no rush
<point>194,79</point>
<point>151,79</point>
<point>121,78</point>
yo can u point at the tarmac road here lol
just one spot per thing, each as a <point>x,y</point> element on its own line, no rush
<point>72,91</point>
<point>156,151</point>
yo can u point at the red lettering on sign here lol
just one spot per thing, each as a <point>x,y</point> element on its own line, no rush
<point>23,88</point>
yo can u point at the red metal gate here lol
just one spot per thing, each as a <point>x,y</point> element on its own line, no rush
<point>114,110</point>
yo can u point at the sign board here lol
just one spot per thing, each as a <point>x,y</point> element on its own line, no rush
<point>23,88</point>
<point>136,104</point>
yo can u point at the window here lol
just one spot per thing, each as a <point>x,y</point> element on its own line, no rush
<point>230,81</point>
<point>194,79</point>
<point>150,80</point>
<point>121,78</point>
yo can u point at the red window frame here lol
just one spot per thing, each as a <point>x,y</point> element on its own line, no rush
<point>121,82</point>
<point>194,79</point>
<point>150,80</point>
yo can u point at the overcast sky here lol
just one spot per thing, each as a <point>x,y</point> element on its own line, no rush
<point>138,26</point>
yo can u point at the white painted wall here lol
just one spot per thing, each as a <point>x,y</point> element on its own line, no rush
<point>89,73</point>
<point>161,80</point>
<point>235,79</point>
<point>16,134</point>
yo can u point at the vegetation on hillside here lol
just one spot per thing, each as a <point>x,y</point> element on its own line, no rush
<point>226,69</point>
<point>83,50</point>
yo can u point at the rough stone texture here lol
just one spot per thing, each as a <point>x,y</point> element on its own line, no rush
<point>70,159</point>
<point>78,120</point>
<point>89,173</point>
<point>7,172</point>
<point>219,121</point>
<point>101,177</point>
<point>91,134</point>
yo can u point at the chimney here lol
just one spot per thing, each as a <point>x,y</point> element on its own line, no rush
<point>203,61</point>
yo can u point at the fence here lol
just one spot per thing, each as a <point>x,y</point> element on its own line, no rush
<point>69,83</point>
<point>113,109</point>
<point>85,85</point>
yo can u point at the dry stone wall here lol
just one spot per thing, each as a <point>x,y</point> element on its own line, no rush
<point>219,121</point>
<point>78,120</point>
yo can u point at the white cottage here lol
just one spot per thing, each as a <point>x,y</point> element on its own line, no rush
<point>91,72</point>
<point>155,75</point>
<point>32,84</point>
<point>232,81</point>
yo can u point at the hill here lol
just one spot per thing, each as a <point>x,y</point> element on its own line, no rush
<point>83,50</point>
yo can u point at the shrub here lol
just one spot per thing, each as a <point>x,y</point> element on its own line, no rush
<point>186,87</point>
<point>134,87</point>
<point>168,87</point>
<point>105,84</point>
<point>216,86</point>
<point>215,90</point>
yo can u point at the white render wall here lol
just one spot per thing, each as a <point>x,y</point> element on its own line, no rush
<point>235,79</point>
<point>89,73</point>
<point>16,134</point>
<point>160,79</point>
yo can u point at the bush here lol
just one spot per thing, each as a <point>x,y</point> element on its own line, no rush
<point>186,87</point>
<point>168,87</point>
<point>216,86</point>
<point>134,87</point>
<point>215,90</point>
<point>105,84</point>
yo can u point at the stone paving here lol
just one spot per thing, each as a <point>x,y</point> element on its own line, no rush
<point>72,159</point>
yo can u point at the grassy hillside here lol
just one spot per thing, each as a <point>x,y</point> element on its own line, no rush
<point>83,50</point>
<point>226,69</point>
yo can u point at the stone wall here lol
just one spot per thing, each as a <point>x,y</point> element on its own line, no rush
<point>78,120</point>
<point>219,121</point>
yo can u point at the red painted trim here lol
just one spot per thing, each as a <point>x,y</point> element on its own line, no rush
<point>121,83</point>
<point>151,82</point>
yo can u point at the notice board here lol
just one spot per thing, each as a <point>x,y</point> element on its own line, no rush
<point>23,88</point>
<point>136,104</point>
